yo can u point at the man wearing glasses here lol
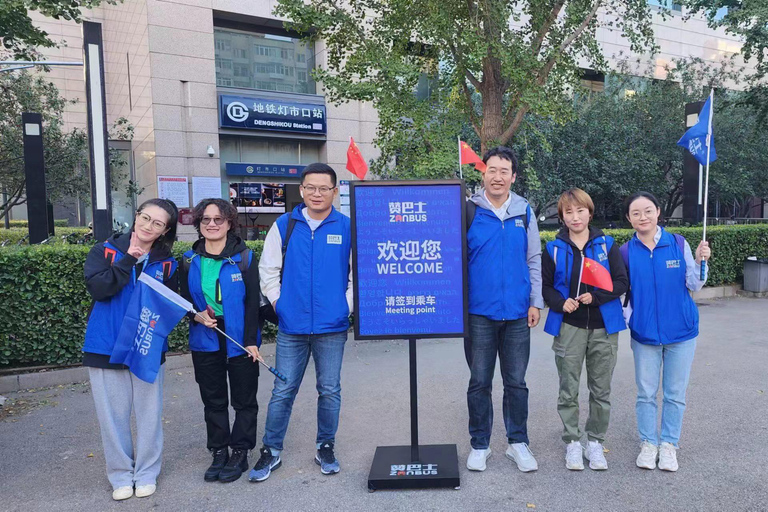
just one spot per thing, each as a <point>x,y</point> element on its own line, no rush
<point>308,283</point>
<point>504,270</point>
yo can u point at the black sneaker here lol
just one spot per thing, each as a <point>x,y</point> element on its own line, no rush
<point>238,463</point>
<point>327,460</point>
<point>220,459</point>
<point>263,468</point>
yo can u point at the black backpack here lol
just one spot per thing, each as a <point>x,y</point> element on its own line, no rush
<point>266,311</point>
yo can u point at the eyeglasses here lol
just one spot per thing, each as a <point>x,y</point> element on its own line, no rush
<point>157,225</point>
<point>216,220</point>
<point>311,189</point>
<point>504,173</point>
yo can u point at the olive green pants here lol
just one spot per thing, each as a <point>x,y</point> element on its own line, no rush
<point>571,348</point>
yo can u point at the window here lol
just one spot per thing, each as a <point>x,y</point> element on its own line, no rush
<point>279,63</point>
<point>224,82</point>
<point>666,4</point>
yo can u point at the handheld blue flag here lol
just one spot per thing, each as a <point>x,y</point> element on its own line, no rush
<point>695,139</point>
<point>153,312</point>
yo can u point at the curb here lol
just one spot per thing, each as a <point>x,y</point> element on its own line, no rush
<point>14,383</point>
<point>717,292</point>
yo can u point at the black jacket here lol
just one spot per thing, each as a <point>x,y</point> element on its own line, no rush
<point>235,245</point>
<point>586,316</point>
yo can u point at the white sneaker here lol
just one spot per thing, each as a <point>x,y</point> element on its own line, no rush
<point>573,457</point>
<point>122,493</point>
<point>668,457</point>
<point>477,458</point>
<point>521,454</point>
<point>594,454</point>
<point>648,455</point>
<point>142,491</point>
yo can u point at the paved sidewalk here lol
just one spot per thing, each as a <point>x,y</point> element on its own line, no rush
<point>45,462</point>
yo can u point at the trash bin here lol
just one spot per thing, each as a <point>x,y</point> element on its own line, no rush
<point>756,275</point>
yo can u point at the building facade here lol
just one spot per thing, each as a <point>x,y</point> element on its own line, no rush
<point>221,97</point>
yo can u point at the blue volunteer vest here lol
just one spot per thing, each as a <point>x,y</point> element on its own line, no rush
<point>663,310</point>
<point>315,275</point>
<point>107,315</point>
<point>561,253</point>
<point>497,265</point>
<point>232,286</point>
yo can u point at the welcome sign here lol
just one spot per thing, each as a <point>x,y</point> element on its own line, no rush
<point>409,256</point>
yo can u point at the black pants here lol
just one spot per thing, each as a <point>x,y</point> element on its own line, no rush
<point>211,369</point>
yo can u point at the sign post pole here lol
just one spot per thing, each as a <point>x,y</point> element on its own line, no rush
<point>414,402</point>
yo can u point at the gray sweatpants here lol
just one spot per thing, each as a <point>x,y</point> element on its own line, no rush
<point>117,393</point>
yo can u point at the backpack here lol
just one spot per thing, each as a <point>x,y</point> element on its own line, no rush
<point>472,209</point>
<point>266,311</point>
<point>624,250</point>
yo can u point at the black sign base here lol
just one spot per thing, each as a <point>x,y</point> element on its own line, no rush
<point>393,468</point>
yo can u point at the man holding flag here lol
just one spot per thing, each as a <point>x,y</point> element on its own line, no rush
<point>583,276</point>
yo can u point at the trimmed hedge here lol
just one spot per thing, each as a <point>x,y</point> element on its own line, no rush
<point>61,223</point>
<point>46,305</point>
<point>13,235</point>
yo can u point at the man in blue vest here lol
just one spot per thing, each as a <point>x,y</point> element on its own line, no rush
<point>307,281</point>
<point>504,264</point>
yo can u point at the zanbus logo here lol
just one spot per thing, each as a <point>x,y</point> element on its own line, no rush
<point>147,322</point>
<point>237,112</point>
<point>407,211</point>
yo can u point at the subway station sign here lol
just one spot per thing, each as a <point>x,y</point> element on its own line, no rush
<point>264,170</point>
<point>254,113</point>
<point>409,256</point>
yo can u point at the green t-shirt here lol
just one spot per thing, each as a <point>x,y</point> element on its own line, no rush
<point>209,275</point>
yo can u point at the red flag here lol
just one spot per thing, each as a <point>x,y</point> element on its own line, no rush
<point>468,156</point>
<point>355,161</point>
<point>595,274</point>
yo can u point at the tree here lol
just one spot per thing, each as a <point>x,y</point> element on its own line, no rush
<point>747,19</point>
<point>489,63</point>
<point>617,144</point>
<point>19,34</point>
<point>65,153</point>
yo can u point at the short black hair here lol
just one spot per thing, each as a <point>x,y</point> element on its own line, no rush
<point>227,210</point>
<point>637,195</point>
<point>504,153</point>
<point>319,168</point>
<point>170,208</point>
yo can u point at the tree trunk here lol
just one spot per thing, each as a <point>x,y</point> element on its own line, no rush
<point>493,98</point>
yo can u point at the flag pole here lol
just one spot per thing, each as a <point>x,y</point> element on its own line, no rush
<point>458,143</point>
<point>581,273</point>
<point>706,178</point>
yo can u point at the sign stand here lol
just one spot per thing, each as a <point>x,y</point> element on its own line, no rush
<point>414,466</point>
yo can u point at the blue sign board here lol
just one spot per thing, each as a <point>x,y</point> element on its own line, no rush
<point>272,115</point>
<point>268,170</point>
<point>409,255</point>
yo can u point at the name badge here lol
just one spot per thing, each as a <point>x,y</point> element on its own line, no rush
<point>519,223</point>
<point>237,277</point>
<point>334,239</point>
<point>673,263</point>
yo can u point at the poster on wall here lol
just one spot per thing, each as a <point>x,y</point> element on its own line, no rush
<point>175,188</point>
<point>205,188</point>
<point>258,197</point>
<point>409,255</point>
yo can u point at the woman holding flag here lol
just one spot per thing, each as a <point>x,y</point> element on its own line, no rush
<point>111,271</point>
<point>583,277</point>
<point>220,279</point>
<point>664,323</point>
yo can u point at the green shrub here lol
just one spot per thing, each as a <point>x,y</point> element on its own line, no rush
<point>61,223</point>
<point>730,245</point>
<point>14,235</point>
<point>45,303</point>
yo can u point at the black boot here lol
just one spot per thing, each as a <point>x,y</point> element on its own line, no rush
<point>238,463</point>
<point>220,459</point>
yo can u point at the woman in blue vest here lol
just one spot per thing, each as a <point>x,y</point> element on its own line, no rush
<point>585,322</point>
<point>111,270</point>
<point>664,323</point>
<point>219,274</point>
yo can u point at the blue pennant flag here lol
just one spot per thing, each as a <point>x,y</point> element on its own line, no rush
<point>695,139</point>
<point>153,312</point>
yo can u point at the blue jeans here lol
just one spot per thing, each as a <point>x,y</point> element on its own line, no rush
<point>673,364</point>
<point>511,340</point>
<point>291,360</point>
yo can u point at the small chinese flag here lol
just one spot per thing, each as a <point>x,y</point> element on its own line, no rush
<point>593,273</point>
<point>468,156</point>
<point>355,161</point>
